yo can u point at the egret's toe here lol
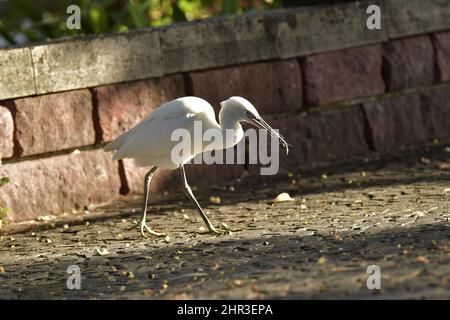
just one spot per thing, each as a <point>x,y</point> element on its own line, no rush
<point>143,227</point>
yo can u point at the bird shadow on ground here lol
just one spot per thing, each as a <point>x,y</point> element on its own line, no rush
<point>413,262</point>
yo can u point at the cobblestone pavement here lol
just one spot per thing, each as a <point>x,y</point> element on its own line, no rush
<point>393,213</point>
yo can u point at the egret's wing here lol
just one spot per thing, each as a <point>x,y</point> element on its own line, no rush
<point>117,143</point>
<point>152,137</point>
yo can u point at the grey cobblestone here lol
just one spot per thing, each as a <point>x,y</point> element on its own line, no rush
<point>394,214</point>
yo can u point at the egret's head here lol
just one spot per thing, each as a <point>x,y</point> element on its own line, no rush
<point>239,108</point>
<point>242,110</point>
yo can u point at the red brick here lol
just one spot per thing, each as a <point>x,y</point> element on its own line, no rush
<point>6,133</point>
<point>396,123</point>
<point>334,134</point>
<point>54,122</point>
<point>58,184</point>
<point>271,86</point>
<point>408,63</point>
<point>435,107</point>
<point>442,47</point>
<point>121,106</point>
<point>341,75</point>
<point>323,136</point>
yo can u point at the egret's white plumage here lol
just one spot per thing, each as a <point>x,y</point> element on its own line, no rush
<point>149,143</point>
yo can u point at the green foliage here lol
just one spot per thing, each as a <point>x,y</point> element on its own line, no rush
<point>231,6</point>
<point>37,20</point>
<point>3,181</point>
<point>3,211</point>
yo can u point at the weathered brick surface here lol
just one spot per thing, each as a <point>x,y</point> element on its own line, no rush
<point>58,184</point>
<point>6,133</point>
<point>335,134</point>
<point>411,17</point>
<point>442,47</point>
<point>325,136</point>
<point>312,29</point>
<point>54,122</point>
<point>408,63</point>
<point>121,106</point>
<point>270,86</point>
<point>396,123</point>
<point>16,69</point>
<point>435,107</point>
<point>219,42</point>
<point>91,61</point>
<point>344,74</point>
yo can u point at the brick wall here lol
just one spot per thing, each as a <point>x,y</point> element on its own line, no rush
<point>330,104</point>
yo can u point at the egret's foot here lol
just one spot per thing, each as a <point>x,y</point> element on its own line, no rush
<point>143,227</point>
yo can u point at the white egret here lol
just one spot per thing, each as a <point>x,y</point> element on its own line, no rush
<point>149,143</point>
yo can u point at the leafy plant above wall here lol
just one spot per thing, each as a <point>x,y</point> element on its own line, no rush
<point>24,21</point>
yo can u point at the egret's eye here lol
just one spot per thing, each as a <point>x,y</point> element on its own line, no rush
<point>248,113</point>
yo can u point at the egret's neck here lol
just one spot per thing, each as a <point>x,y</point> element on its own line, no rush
<point>231,128</point>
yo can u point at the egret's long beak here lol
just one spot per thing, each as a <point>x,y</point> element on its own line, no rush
<point>260,123</point>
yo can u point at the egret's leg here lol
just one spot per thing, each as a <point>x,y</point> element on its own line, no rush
<point>143,223</point>
<point>190,195</point>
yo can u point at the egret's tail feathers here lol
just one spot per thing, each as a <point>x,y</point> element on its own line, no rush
<point>117,156</point>
<point>116,143</point>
